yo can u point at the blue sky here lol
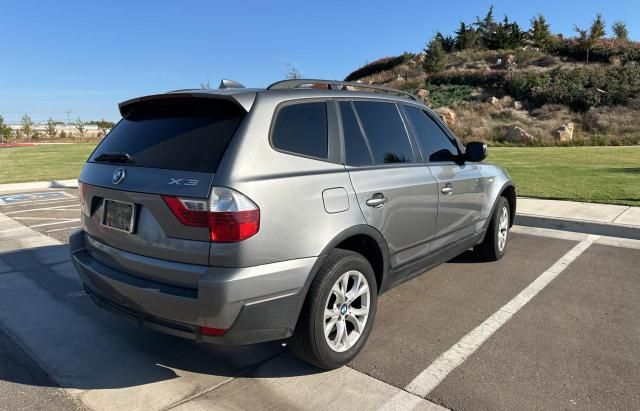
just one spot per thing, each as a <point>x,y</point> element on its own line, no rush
<point>87,56</point>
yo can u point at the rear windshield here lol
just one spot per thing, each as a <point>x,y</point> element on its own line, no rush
<point>178,134</point>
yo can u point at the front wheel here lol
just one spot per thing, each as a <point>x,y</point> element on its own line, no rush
<point>338,315</point>
<point>494,245</point>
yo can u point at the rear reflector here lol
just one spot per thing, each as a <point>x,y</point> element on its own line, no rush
<point>211,331</point>
<point>229,215</point>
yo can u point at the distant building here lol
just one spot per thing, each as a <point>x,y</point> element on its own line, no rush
<point>91,129</point>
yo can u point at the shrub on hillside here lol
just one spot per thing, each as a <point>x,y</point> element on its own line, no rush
<point>603,50</point>
<point>580,88</point>
<point>473,78</point>
<point>448,95</point>
<point>385,63</point>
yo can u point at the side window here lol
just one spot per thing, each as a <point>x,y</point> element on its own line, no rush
<point>434,143</point>
<point>385,131</point>
<point>356,150</point>
<point>302,129</point>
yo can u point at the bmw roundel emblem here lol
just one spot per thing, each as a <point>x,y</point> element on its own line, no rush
<point>118,176</point>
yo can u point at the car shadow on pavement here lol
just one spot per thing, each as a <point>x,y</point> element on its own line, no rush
<point>44,309</point>
<point>468,257</point>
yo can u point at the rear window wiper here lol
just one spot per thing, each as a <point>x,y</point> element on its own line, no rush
<point>114,158</point>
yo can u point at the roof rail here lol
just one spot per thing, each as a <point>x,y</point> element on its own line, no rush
<point>336,85</point>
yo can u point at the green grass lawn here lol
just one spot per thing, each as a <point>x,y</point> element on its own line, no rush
<point>592,174</point>
<point>43,162</point>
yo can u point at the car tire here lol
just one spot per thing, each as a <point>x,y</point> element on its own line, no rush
<point>495,242</point>
<point>331,304</point>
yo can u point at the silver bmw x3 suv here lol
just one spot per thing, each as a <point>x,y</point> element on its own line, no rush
<point>238,215</point>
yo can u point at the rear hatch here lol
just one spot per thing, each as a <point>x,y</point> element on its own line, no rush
<point>162,149</point>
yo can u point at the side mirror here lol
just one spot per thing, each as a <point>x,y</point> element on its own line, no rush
<point>475,151</point>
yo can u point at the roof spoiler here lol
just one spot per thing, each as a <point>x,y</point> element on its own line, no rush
<point>244,100</point>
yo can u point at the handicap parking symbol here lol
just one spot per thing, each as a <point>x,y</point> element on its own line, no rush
<point>19,198</point>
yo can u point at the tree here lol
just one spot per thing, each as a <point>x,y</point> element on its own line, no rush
<point>435,58</point>
<point>588,38</point>
<point>598,28</point>
<point>448,43</point>
<point>466,37</point>
<point>5,131</point>
<point>51,131</point>
<point>540,32</point>
<point>293,73</point>
<point>486,26</point>
<point>504,36</point>
<point>80,127</point>
<point>26,128</point>
<point>103,127</point>
<point>620,30</point>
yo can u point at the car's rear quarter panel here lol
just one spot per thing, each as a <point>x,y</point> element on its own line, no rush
<point>287,189</point>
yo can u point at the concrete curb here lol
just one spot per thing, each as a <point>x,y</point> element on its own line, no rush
<point>36,185</point>
<point>579,226</point>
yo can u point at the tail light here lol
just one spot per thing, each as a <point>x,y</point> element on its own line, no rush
<point>211,331</point>
<point>229,215</point>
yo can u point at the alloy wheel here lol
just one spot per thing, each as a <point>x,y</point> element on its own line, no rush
<point>346,311</point>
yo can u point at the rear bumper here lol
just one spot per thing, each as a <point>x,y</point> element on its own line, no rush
<point>253,304</point>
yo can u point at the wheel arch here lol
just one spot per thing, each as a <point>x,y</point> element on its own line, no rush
<point>362,239</point>
<point>508,191</point>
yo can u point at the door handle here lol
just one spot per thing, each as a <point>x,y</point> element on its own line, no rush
<point>377,200</point>
<point>447,189</point>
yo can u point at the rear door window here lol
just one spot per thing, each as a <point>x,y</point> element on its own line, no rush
<point>355,146</point>
<point>434,143</point>
<point>179,134</point>
<point>301,128</point>
<point>385,132</point>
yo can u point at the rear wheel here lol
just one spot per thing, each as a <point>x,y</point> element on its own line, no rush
<point>338,314</point>
<point>494,245</point>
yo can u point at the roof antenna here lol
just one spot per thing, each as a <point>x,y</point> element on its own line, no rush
<point>226,83</point>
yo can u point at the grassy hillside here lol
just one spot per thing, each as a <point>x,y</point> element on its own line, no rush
<point>495,76</point>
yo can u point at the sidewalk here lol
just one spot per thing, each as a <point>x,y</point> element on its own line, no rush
<point>602,219</point>
<point>37,185</point>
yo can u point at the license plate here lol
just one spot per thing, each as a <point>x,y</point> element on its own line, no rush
<point>119,215</point>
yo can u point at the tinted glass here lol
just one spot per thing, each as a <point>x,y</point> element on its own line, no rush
<point>434,143</point>
<point>385,131</point>
<point>179,134</point>
<point>302,129</point>
<point>356,151</point>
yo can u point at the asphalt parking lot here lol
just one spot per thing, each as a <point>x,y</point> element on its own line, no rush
<point>555,324</point>
<point>53,212</point>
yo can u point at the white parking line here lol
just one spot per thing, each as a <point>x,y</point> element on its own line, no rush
<point>568,235</point>
<point>40,202</point>
<point>433,375</point>
<point>43,209</point>
<point>43,218</point>
<point>62,229</point>
<point>75,220</point>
